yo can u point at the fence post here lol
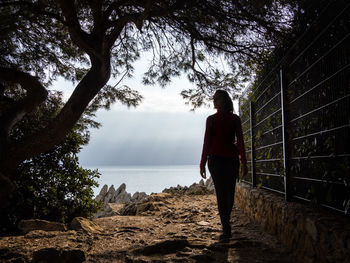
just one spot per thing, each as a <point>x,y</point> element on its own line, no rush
<point>251,113</point>
<point>284,139</point>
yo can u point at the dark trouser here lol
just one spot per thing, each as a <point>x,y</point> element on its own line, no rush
<point>224,172</point>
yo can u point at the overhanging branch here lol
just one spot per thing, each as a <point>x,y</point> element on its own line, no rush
<point>79,36</point>
<point>36,94</point>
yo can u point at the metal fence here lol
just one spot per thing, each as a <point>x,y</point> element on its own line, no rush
<point>296,121</point>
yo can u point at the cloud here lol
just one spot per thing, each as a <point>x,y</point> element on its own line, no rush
<point>145,138</point>
<point>161,131</point>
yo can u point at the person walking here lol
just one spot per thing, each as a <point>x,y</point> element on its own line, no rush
<point>224,155</point>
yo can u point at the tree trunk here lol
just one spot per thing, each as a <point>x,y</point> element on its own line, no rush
<point>57,130</point>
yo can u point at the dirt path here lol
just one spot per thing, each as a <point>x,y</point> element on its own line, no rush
<point>166,229</point>
<point>185,229</point>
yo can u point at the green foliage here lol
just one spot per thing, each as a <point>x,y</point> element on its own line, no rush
<point>51,186</point>
<point>87,42</point>
<point>38,43</point>
<point>183,36</point>
<point>313,59</point>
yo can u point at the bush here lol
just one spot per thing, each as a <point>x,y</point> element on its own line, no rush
<point>52,186</point>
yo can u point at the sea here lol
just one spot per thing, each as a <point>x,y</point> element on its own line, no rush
<point>148,179</point>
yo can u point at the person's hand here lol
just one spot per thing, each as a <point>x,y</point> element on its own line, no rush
<point>244,169</point>
<point>203,174</point>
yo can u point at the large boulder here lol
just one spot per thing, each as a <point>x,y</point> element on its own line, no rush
<point>128,210</point>
<point>140,208</point>
<point>106,211</point>
<point>85,225</point>
<point>139,196</point>
<point>37,224</point>
<point>148,206</point>
<point>39,234</point>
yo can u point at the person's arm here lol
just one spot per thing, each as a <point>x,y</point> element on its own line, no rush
<point>240,146</point>
<point>205,149</point>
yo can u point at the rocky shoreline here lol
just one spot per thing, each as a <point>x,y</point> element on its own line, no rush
<point>111,196</point>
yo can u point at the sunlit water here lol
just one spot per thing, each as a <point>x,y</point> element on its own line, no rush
<point>149,179</point>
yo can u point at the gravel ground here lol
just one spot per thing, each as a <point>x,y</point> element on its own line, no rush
<point>168,228</point>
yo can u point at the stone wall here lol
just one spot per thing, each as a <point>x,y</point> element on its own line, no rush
<point>313,235</point>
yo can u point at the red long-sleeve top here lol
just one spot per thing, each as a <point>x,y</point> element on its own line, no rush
<point>219,138</point>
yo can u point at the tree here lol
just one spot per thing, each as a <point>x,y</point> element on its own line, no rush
<point>52,185</point>
<point>89,41</point>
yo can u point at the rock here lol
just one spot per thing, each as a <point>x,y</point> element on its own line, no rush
<point>56,255</point>
<point>310,233</point>
<point>120,195</point>
<point>159,197</point>
<point>193,185</point>
<point>147,206</point>
<point>197,189</point>
<point>44,234</point>
<point>104,190</point>
<point>178,190</point>
<point>203,223</point>
<point>139,208</point>
<point>110,196</point>
<point>168,213</point>
<point>128,210</point>
<point>122,198</point>
<point>83,224</point>
<point>210,184</point>
<point>102,194</point>
<point>138,196</point>
<point>107,211</point>
<point>37,224</point>
<point>120,189</point>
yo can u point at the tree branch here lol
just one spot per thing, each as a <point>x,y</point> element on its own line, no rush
<point>260,21</point>
<point>96,8</point>
<point>150,10</point>
<point>56,131</point>
<point>117,4</point>
<point>36,94</point>
<point>79,36</point>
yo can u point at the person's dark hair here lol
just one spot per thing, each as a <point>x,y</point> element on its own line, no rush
<point>222,101</point>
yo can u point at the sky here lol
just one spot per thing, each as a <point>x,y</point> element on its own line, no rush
<point>160,131</point>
